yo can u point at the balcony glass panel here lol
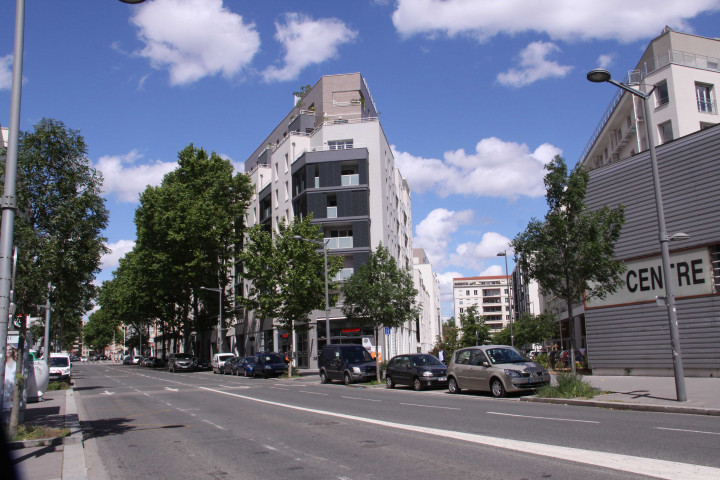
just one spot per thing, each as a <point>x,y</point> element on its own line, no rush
<point>331,212</point>
<point>353,179</point>
<point>339,242</point>
<point>343,274</point>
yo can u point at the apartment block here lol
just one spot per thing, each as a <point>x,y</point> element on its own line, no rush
<point>329,157</point>
<point>491,295</point>
<point>429,323</point>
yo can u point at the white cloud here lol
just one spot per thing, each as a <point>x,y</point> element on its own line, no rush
<point>117,251</point>
<point>496,169</point>
<point>605,60</point>
<point>474,255</point>
<point>560,19</point>
<point>6,64</point>
<point>446,289</point>
<point>534,66</point>
<point>307,41</point>
<point>435,231</point>
<point>195,38</point>
<point>126,180</point>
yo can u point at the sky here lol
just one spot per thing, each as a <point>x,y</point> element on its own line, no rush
<point>475,96</point>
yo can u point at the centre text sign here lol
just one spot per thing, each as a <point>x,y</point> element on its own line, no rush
<point>691,273</point>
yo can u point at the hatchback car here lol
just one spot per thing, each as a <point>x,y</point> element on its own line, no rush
<point>419,370</point>
<point>269,365</point>
<point>497,369</point>
<point>180,362</point>
<point>228,366</point>
<point>247,365</point>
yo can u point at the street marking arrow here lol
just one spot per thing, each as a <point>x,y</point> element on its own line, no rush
<point>107,393</point>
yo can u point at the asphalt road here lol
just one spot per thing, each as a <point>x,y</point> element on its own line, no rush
<point>150,424</point>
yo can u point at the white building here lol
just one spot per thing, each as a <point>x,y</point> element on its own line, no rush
<point>684,71</point>
<point>329,157</point>
<point>491,295</point>
<point>428,287</point>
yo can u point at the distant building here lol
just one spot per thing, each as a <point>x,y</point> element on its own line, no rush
<point>491,295</point>
<point>683,70</point>
<point>329,157</point>
<point>426,282</point>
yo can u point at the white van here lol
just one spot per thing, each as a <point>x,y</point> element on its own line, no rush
<point>60,367</point>
<point>218,361</point>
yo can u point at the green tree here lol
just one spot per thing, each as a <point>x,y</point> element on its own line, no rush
<point>287,274</point>
<point>58,228</point>
<point>100,330</point>
<point>449,341</point>
<point>473,330</point>
<point>571,252</point>
<point>529,329</point>
<point>381,294</point>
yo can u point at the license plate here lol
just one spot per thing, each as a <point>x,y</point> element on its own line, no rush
<point>442,379</point>
<point>535,380</point>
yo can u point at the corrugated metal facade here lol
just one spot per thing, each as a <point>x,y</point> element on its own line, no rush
<point>635,338</point>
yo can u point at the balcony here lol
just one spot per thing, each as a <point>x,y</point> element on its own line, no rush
<point>347,180</point>
<point>707,107</point>
<point>331,212</point>
<point>335,243</point>
<point>344,274</point>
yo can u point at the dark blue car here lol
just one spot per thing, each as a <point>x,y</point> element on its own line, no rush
<point>269,365</point>
<point>247,365</point>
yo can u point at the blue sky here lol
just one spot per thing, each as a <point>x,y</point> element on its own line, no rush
<point>475,96</point>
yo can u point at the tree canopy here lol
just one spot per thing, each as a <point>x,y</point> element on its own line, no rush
<point>473,330</point>
<point>58,228</point>
<point>571,252</point>
<point>529,329</point>
<point>381,294</point>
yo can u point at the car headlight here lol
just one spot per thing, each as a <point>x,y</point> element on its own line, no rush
<point>513,373</point>
<point>356,370</point>
<point>268,367</point>
<point>427,374</point>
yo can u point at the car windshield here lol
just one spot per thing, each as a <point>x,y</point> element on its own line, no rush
<point>424,360</point>
<point>504,355</point>
<point>249,359</point>
<point>182,355</point>
<point>59,362</point>
<point>357,355</point>
<point>272,359</point>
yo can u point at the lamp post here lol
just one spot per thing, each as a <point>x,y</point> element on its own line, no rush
<point>220,329</point>
<point>600,75</point>
<point>507,280</point>
<point>327,303</point>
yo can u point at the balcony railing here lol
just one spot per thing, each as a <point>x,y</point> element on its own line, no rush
<point>331,212</point>
<point>706,106</point>
<point>339,242</point>
<point>344,274</point>
<point>347,180</point>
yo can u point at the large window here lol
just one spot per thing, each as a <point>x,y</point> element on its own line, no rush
<point>661,94</point>
<point>665,132</point>
<point>704,94</point>
<point>340,144</point>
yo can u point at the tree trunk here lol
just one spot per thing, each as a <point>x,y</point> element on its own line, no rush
<point>377,355</point>
<point>19,382</point>
<point>571,325</point>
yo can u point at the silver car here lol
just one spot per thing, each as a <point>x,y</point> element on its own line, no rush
<point>497,369</point>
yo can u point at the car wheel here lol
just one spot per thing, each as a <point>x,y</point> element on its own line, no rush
<point>453,386</point>
<point>323,377</point>
<point>346,379</point>
<point>417,385</point>
<point>265,375</point>
<point>214,371</point>
<point>497,388</point>
<point>389,383</point>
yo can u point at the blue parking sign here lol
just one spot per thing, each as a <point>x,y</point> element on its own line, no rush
<point>387,330</point>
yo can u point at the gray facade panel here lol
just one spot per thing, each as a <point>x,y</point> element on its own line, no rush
<point>636,337</point>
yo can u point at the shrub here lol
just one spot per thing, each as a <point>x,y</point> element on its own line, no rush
<point>568,386</point>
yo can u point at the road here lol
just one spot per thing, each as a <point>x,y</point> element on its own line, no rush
<point>151,424</point>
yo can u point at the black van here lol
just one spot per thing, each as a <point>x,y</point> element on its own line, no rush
<point>349,363</point>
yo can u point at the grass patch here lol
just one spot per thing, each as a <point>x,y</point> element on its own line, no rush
<point>568,386</point>
<point>35,432</point>
<point>373,382</point>
<point>58,386</point>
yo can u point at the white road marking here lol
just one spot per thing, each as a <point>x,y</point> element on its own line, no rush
<point>171,389</point>
<point>359,398</point>
<point>542,418</point>
<point>107,393</point>
<point>314,393</point>
<point>683,430</point>
<point>429,406</point>
<point>214,425</point>
<point>615,461</point>
<point>270,448</point>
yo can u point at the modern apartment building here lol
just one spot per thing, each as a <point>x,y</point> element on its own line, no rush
<point>329,157</point>
<point>429,323</point>
<point>683,72</point>
<point>491,295</point>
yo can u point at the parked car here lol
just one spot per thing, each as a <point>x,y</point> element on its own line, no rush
<point>180,361</point>
<point>269,364</point>
<point>136,360</point>
<point>349,363</point>
<point>99,357</point>
<point>128,360</point>
<point>497,369</point>
<point>247,365</point>
<point>218,361</point>
<point>419,370</point>
<point>74,358</point>
<point>154,362</point>
<point>60,367</point>
<point>201,365</point>
<point>236,368</point>
<point>227,367</point>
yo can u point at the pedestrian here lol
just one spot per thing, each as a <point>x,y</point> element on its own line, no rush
<point>553,356</point>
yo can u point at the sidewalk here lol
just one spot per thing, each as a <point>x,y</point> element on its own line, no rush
<point>51,458</point>
<point>651,394</point>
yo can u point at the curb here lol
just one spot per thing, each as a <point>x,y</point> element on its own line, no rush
<point>44,442</point>
<point>639,407</point>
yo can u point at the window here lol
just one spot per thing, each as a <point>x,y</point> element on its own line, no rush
<point>340,144</point>
<point>703,92</point>
<point>665,132</point>
<point>661,94</point>
<point>286,163</point>
<point>331,206</point>
<point>467,292</point>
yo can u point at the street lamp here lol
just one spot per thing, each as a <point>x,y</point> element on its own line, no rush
<point>220,340</point>
<point>600,75</point>
<point>327,303</point>
<point>507,280</point>
<point>8,202</point>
